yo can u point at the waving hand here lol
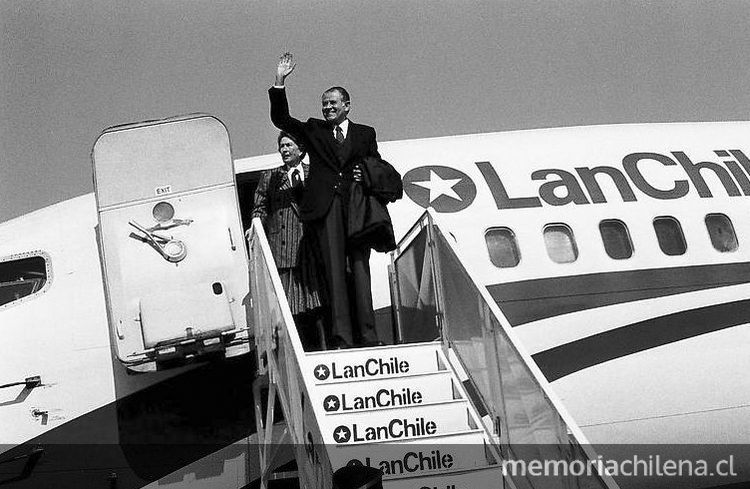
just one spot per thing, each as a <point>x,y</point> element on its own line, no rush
<point>284,68</point>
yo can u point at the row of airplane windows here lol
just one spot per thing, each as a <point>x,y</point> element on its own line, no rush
<point>561,244</point>
<point>21,278</point>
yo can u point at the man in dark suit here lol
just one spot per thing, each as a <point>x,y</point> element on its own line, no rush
<point>335,145</point>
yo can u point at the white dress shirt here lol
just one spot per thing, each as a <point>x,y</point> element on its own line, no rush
<point>301,173</point>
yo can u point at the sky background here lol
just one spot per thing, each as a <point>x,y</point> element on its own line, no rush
<point>69,69</point>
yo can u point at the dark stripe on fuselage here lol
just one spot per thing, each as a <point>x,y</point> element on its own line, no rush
<point>626,340</point>
<point>532,300</point>
<point>147,435</point>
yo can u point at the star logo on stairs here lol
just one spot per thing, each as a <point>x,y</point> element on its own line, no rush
<point>322,372</point>
<point>331,403</point>
<point>342,434</point>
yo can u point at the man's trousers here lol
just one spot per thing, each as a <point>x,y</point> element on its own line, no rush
<point>347,279</point>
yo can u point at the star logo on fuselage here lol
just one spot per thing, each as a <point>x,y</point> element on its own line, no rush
<point>443,188</point>
<point>438,186</point>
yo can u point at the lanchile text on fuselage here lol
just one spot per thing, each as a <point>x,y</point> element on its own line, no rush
<point>583,188</point>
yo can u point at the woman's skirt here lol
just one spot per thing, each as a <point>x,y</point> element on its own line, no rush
<point>305,284</point>
<point>301,294</point>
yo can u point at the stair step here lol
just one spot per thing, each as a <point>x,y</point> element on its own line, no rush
<point>358,364</point>
<point>390,348</point>
<point>448,452</point>
<point>489,477</point>
<point>394,425</point>
<point>385,414</point>
<point>406,410</point>
<point>416,390</point>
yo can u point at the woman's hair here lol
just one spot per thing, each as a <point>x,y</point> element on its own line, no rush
<point>284,134</point>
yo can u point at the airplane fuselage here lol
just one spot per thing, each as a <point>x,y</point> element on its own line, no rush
<point>619,254</point>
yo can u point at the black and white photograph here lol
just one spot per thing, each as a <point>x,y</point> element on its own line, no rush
<point>416,244</point>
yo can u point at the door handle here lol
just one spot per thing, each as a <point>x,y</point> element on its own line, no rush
<point>29,384</point>
<point>231,240</point>
<point>172,250</point>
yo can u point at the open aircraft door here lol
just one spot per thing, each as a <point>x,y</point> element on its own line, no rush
<point>173,254</point>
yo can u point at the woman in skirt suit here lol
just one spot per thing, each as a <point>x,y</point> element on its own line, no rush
<point>276,204</point>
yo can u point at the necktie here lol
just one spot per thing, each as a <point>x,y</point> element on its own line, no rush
<point>296,180</point>
<point>339,135</point>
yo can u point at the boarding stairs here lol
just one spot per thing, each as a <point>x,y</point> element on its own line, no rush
<point>440,414</point>
<point>402,409</point>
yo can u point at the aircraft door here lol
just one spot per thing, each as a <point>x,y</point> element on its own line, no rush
<point>174,261</point>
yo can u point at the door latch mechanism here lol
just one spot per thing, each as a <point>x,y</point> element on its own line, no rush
<point>172,250</point>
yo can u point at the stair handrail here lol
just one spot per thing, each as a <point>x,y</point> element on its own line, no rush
<point>430,222</point>
<point>279,350</point>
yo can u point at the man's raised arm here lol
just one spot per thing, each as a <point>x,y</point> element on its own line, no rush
<point>279,105</point>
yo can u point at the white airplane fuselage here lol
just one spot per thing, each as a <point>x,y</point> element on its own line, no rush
<point>644,348</point>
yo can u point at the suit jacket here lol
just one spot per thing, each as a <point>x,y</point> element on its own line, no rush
<point>331,164</point>
<point>276,204</point>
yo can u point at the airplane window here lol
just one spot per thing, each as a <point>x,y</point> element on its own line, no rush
<point>669,233</point>
<point>502,246</point>
<point>616,239</point>
<point>721,231</point>
<point>561,246</point>
<point>21,278</point>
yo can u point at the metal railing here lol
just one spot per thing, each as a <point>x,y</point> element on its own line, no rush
<point>279,349</point>
<point>437,297</point>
